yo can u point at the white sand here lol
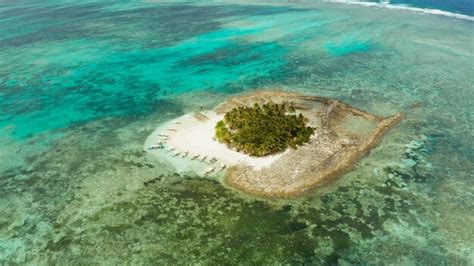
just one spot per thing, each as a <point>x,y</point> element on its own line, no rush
<point>196,137</point>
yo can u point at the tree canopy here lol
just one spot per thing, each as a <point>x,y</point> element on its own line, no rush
<point>263,130</point>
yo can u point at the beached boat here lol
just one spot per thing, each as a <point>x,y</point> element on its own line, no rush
<point>203,158</point>
<point>156,146</point>
<point>185,154</point>
<point>172,129</point>
<point>195,157</point>
<point>209,170</point>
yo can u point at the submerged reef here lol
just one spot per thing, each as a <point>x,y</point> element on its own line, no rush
<point>116,205</point>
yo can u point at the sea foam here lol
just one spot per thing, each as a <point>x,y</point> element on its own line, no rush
<point>405,7</point>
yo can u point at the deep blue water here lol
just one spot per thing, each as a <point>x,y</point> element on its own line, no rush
<point>465,7</point>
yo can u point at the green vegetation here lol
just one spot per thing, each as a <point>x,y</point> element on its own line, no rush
<point>263,130</point>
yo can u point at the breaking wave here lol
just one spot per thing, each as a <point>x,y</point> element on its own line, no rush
<point>386,4</point>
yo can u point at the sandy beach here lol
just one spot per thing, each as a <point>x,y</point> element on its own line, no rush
<point>191,136</point>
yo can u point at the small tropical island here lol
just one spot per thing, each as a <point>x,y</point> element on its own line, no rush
<point>270,143</point>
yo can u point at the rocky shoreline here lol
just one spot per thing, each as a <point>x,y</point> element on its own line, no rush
<point>334,149</point>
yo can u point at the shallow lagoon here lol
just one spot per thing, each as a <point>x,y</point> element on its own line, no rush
<point>82,85</point>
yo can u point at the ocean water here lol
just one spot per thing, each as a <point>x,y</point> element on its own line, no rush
<point>82,84</point>
<point>465,7</point>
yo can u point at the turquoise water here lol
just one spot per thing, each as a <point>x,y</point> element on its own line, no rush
<point>82,84</point>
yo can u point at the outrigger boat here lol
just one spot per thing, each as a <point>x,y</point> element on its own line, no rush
<point>156,146</point>
<point>209,170</point>
<point>195,157</point>
<point>172,129</point>
<point>163,135</point>
<point>177,154</point>
<point>213,160</point>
